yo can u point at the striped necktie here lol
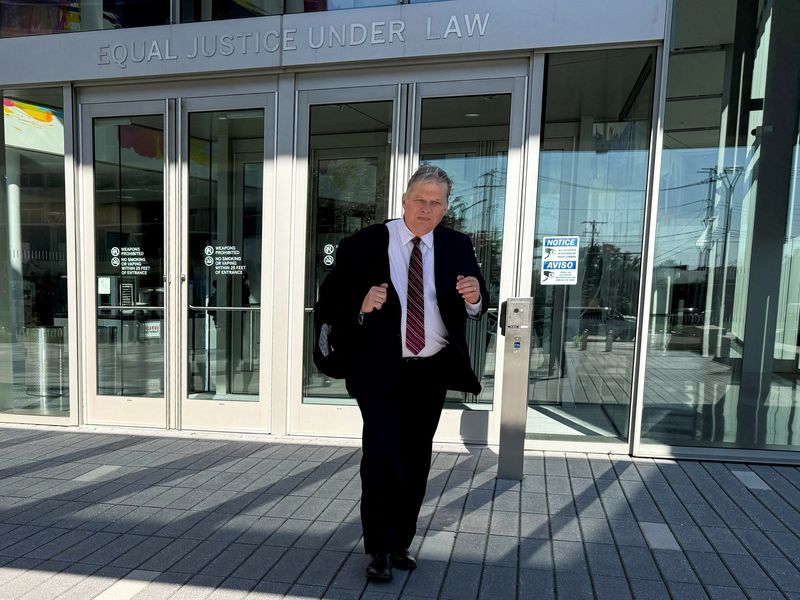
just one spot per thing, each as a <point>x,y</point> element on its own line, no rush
<point>415,306</point>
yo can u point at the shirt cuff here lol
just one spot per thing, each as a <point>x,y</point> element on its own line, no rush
<point>473,310</point>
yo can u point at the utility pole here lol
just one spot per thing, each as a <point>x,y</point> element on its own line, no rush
<point>729,183</point>
<point>593,275</point>
<point>594,223</point>
<point>708,259</point>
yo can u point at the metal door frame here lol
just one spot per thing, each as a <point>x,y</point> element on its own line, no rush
<point>407,86</point>
<point>93,411</point>
<point>219,414</point>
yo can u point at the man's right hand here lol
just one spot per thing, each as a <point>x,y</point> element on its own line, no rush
<point>375,298</point>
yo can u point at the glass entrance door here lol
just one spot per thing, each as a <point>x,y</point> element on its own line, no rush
<point>347,144</point>
<point>126,147</point>
<point>223,187</point>
<point>358,148</point>
<point>174,195</point>
<point>593,172</point>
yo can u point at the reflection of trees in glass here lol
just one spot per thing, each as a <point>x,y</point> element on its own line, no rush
<point>611,277</point>
<point>477,209</point>
<point>346,188</point>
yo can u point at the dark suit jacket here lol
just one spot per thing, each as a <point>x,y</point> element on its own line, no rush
<point>374,348</point>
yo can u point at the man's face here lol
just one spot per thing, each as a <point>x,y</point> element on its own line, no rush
<point>424,205</point>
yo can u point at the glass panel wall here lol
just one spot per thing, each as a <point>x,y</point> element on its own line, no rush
<point>226,154</point>
<point>593,172</point>
<point>212,10</point>
<point>468,137</point>
<point>34,349</point>
<point>722,364</point>
<point>23,17</point>
<point>348,166</point>
<point>129,255</point>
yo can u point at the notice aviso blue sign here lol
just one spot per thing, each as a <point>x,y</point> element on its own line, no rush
<point>560,259</point>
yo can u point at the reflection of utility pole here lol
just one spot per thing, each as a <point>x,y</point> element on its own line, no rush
<point>729,178</point>
<point>594,223</point>
<point>714,315</point>
<point>708,259</point>
<point>591,281</point>
<point>709,218</point>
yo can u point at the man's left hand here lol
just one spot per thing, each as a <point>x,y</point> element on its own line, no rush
<point>469,288</point>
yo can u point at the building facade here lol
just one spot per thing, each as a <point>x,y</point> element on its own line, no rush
<point>176,178</point>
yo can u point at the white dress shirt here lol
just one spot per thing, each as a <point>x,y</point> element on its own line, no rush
<point>400,246</point>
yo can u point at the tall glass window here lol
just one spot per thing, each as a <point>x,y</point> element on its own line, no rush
<point>722,365</point>
<point>593,172</point>
<point>468,137</point>
<point>129,259</point>
<point>212,10</point>
<point>23,17</point>
<point>226,164</point>
<point>348,165</point>
<point>33,255</point>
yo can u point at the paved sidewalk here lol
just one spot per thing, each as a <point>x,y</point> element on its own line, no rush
<point>112,516</point>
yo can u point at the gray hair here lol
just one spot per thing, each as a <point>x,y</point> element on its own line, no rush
<point>431,173</point>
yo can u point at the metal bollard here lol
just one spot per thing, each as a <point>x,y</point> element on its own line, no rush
<point>609,340</point>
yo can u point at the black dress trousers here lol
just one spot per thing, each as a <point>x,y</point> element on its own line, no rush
<point>399,426</point>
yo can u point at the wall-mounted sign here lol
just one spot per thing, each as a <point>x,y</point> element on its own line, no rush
<point>130,260</point>
<point>402,31</point>
<point>286,40</point>
<point>328,259</point>
<point>226,260</point>
<point>560,260</point>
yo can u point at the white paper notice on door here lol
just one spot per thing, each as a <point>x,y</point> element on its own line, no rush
<point>104,285</point>
<point>560,259</point>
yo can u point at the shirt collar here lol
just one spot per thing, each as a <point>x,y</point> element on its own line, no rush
<point>406,235</point>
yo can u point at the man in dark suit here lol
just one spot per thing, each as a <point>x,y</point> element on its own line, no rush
<point>404,290</point>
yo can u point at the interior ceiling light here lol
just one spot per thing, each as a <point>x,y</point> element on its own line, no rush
<point>472,115</point>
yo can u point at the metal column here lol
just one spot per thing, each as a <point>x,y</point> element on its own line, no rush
<point>515,318</point>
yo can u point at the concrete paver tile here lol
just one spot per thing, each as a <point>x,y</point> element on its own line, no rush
<point>268,590</point>
<point>611,588</point>
<point>638,563</point>
<point>322,568</point>
<point>574,585</point>
<point>96,584</point>
<point>134,557</point>
<point>259,562</point>
<point>461,582</point>
<point>198,587</point>
<point>317,535</point>
<point>469,548</point>
<point>648,589</point>
<point>426,580</point>
<point>162,587</point>
<point>498,582</point>
<point>716,592</point>
<point>747,572</point>
<point>55,587</point>
<point>197,557</point>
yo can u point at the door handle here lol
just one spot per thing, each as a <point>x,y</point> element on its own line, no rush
<point>502,318</point>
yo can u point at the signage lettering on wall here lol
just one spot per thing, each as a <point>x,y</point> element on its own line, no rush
<point>318,37</point>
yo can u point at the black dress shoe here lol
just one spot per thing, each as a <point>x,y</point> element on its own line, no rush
<point>380,568</point>
<point>403,560</point>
